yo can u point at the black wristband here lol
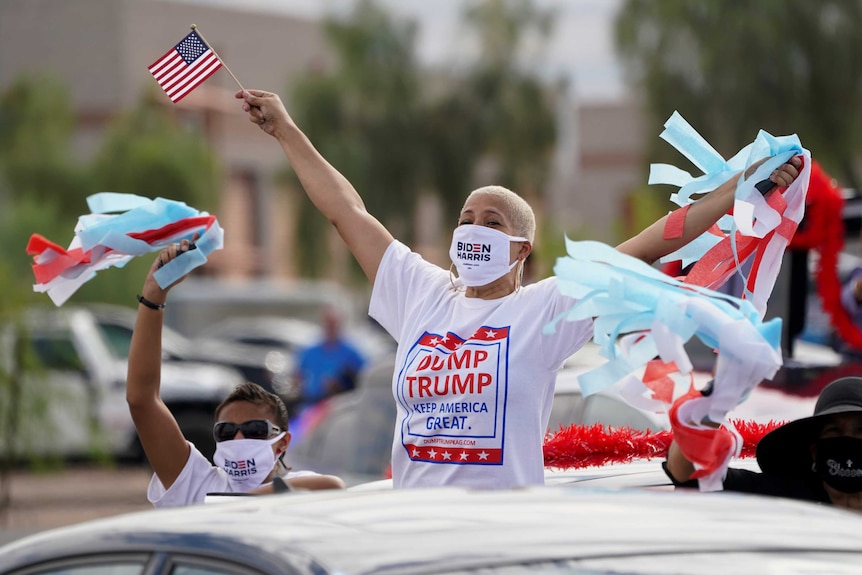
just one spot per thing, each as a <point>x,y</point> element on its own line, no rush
<point>279,485</point>
<point>149,304</point>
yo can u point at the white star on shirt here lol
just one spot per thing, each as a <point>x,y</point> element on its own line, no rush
<point>483,456</point>
<point>490,334</point>
<point>434,341</point>
<point>464,456</point>
<point>432,454</point>
<point>447,455</point>
<point>445,338</point>
<point>415,452</point>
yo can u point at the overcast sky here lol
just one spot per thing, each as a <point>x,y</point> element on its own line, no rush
<point>581,50</point>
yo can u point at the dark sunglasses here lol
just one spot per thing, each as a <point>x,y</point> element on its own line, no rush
<point>251,429</point>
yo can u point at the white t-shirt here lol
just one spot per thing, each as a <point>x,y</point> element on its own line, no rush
<point>197,478</point>
<point>474,379</point>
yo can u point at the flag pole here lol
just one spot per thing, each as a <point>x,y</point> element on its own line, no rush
<point>195,28</point>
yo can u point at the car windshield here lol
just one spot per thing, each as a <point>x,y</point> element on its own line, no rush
<point>118,337</point>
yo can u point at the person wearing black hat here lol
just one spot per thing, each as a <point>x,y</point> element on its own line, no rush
<point>817,458</point>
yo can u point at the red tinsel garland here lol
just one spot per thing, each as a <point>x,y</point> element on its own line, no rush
<point>579,446</point>
<point>824,232</point>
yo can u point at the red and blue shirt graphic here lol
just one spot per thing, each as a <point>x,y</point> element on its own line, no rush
<point>453,390</point>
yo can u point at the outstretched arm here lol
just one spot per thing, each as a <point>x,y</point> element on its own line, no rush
<point>325,186</point>
<point>650,244</point>
<point>158,431</point>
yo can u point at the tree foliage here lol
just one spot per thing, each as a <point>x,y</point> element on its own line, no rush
<point>496,111</point>
<point>149,152</point>
<point>44,181</point>
<point>394,129</point>
<point>364,118</point>
<point>731,68</point>
<point>36,125</point>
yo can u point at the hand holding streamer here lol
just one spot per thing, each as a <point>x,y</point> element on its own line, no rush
<point>106,239</point>
<point>643,318</point>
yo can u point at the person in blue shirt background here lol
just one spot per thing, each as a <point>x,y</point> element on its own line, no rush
<point>329,367</point>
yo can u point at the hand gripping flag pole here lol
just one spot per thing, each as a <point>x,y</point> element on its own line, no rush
<point>195,28</point>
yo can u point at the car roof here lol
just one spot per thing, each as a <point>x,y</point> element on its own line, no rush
<point>636,473</point>
<point>439,529</point>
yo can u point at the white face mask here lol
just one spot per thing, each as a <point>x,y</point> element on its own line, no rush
<point>247,462</point>
<point>481,254</point>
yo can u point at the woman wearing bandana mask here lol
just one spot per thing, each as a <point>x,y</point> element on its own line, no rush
<point>251,428</point>
<point>817,458</point>
<point>475,370</point>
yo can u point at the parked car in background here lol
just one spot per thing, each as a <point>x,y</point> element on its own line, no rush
<point>291,335</point>
<point>350,435</point>
<point>73,400</point>
<point>286,337</point>
<point>271,369</point>
<point>546,530</point>
<point>200,301</point>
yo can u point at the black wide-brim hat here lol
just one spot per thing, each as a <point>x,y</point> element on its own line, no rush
<point>786,450</point>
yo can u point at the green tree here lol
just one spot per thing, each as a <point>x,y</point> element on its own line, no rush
<point>494,108</point>
<point>42,185</point>
<point>36,125</point>
<point>394,129</point>
<point>516,107</point>
<point>150,152</point>
<point>365,119</point>
<point>508,108</point>
<point>731,68</point>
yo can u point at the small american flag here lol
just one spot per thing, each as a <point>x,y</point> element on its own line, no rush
<point>185,67</point>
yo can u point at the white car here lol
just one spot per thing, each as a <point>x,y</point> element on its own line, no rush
<point>272,370</point>
<point>72,393</point>
<point>457,531</point>
<point>639,473</point>
<point>292,335</point>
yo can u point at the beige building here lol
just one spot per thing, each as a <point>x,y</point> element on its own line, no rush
<point>599,163</point>
<point>101,50</point>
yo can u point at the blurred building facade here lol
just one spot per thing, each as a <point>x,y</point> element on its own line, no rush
<point>599,163</point>
<point>100,49</point>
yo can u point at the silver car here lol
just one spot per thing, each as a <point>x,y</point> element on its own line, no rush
<point>72,397</point>
<point>452,530</point>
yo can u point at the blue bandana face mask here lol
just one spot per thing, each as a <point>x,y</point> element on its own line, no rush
<point>481,254</point>
<point>839,463</point>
